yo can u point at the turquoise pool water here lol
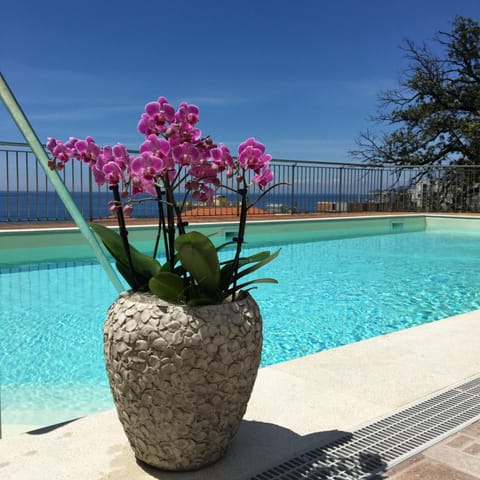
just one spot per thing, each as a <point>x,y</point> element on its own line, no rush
<point>330,293</point>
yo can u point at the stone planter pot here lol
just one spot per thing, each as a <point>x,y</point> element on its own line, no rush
<point>181,376</point>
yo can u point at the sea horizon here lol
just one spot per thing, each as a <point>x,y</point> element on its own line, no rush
<point>18,206</point>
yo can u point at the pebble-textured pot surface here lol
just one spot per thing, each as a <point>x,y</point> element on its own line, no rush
<point>181,376</point>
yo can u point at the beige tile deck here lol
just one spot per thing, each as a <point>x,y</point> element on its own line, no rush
<point>295,406</point>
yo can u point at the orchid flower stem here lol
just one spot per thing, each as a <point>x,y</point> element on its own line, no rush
<point>174,210</point>
<point>240,238</point>
<point>123,231</point>
<point>180,223</point>
<point>169,232</point>
<point>161,224</point>
<point>175,207</point>
<point>171,236</point>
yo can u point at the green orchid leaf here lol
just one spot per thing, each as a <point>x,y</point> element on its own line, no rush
<point>252,258</point>
<point>144,265</point>
<point>166,266</point>
<point>168,287</point>
<point>223,245</point>
<point>264,261</point>
<point>227,268</point>
<point>252,282</point>
<point>199,257</point>
<point>260,259</point>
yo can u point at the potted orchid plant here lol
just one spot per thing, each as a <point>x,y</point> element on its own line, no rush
<point>183,345</point>
<point>174,155</point>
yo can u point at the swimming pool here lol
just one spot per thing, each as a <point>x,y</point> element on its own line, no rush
<point>331,293</point>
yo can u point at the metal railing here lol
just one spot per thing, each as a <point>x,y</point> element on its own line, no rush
<point>27,196</point>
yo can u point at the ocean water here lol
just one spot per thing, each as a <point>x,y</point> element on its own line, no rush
<point>44,206</point>
<point>330,293</point>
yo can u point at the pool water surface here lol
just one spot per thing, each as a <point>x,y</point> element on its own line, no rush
<point>330,293</point>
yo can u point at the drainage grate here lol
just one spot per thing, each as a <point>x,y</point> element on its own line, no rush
<point>370,450</point>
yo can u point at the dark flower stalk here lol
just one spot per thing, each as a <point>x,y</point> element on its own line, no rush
<point>123,230</point>
<point>170,231</point>
<point>161,224</point>
<point>240,238</point>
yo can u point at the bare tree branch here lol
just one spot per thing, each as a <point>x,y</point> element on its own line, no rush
<point>435,110</point>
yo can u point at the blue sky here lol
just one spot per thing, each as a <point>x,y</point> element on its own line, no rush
<point>301,76</point>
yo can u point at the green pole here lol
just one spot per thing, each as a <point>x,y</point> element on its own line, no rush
<point>30,136</point>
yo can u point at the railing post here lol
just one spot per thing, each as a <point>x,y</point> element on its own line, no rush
<point>382,196</point>
<point>340,189</point>
<point>292,202</point>
<point>90,195</point>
